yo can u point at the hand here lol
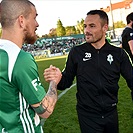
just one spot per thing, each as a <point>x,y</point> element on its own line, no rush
<point>52,74</point>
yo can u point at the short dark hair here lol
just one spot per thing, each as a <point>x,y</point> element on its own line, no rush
<point>103,15</point>
<point>11,9</point>
<point>129,17</point>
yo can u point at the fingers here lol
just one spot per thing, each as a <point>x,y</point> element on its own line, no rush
<point>52,73</point>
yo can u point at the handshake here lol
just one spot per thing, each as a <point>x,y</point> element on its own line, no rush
<point>52,74</point>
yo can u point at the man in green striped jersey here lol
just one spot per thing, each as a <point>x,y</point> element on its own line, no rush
<point>22,97</point>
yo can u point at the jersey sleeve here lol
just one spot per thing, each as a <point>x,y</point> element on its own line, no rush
<point>129,34</point>
<point>26,78</point>
<point>68,73</point>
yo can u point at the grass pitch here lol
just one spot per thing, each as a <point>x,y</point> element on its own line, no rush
<point>64,118</point>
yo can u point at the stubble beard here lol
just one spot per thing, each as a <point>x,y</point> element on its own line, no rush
<point>95,40</point>
<point>28,38</point>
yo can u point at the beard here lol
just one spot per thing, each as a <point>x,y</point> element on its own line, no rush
<point>94,39</point>
<point>28,38</point>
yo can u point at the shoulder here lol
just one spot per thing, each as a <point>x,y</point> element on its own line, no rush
<point>25,55</point>
<point>128,30</point>
<point>115,46</point>
<point>80,46</point>
<point>115,49</point>
<point>25,59</point>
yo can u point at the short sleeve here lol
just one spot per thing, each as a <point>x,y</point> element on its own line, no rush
<point>26,78</point>
<point>130,34</point>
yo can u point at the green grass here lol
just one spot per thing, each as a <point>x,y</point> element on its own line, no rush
<point>43,64</point>
<point>125,108</point>
<point>64,118</point>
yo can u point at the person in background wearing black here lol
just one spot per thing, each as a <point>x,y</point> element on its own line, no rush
<point>127,36</point>
<point>97,66</point>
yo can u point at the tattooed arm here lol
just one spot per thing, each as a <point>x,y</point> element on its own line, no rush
<point>45,108</point>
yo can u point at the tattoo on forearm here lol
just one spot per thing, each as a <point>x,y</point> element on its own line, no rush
<point>52,88</point>
<point>50,99</point>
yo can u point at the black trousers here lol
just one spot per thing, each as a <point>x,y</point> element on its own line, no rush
<point>89,124</point>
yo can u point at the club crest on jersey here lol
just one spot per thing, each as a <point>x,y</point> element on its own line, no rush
<point>87,56</point>
<point>110,58</point>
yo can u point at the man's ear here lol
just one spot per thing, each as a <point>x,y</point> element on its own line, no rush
<point>105,28</point>
<point>21,21</point>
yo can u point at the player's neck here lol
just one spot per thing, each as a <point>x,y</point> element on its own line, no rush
<point>12,36</point>
<point>129,26</point>
<point>99,44</point>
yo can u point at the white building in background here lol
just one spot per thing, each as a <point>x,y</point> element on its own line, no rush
<point>118,11</point>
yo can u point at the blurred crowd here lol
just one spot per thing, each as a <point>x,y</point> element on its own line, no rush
<point>54,46</point>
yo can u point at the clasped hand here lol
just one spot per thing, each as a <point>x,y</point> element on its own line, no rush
<point>52,74</point>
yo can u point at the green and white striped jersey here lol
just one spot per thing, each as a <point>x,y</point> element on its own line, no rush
<point>20,87</point>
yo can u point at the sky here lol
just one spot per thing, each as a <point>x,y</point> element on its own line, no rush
<point>68,11</point>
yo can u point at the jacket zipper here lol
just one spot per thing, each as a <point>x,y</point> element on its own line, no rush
<point>100,84</point>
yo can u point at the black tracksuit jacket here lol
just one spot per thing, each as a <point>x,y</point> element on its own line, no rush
<point>97,74</point>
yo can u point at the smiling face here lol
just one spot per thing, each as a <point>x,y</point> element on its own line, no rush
<point>94,29</point>
<point>30,27</point>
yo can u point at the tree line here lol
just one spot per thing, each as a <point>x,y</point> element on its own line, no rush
<point>60,30</point>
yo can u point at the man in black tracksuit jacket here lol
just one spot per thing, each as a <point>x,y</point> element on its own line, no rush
<point>97,66</point>
<point>97,73</point>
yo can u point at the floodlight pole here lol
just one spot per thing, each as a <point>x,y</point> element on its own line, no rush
<point>112,20</point>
